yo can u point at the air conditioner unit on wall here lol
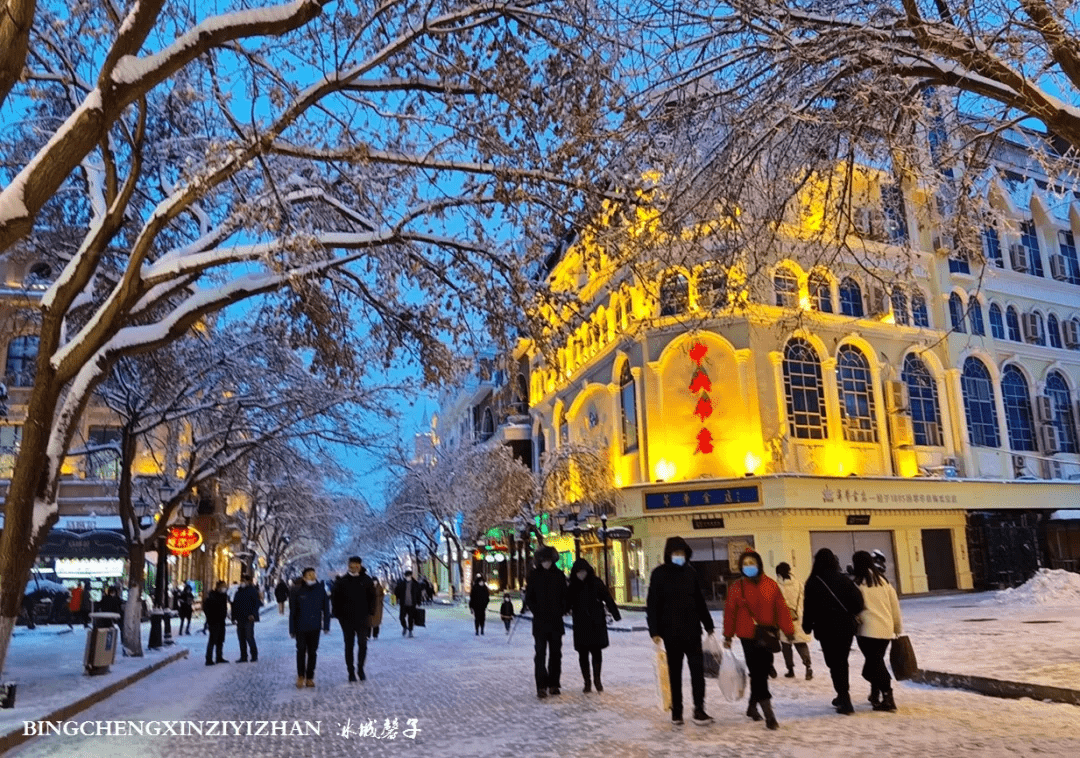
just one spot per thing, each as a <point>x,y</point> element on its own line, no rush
<point>878,302</point>
<point>1043,409</point>
<point>1058,268</point>
<point>1070,332</point>
<point>901,430</point>
<point>862,220</point>
<point>945,243</point>
<point>896,395</point>
<point>1018,257</point>
<point>1018,464</point>
<point>1048,439</point>
<point>1031,324</point>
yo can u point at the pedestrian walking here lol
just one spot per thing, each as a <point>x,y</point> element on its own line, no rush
<point>353,599</point>
<point>831,603</point>
<point>309,610</point>
<point>479,598</point>
<point>245,614</point>
<point>407,593</point>
<point>676,613</point>
<point>756,604</point>
<point>590,601</point>
<point>793,596</point>
<point>547,600</point>
<point>216,610</point>
<point>506,611</point>
<point>879,623</point>
<point>376,615</point>
<point>185,605</point>
<point>81,602</point>
<point>281,594</point>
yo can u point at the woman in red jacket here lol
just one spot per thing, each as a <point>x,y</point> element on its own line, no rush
<point>753,600</point>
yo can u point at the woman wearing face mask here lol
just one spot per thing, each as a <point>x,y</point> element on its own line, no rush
<point>588,597</point>
<point>479,598</point>
<point>756,600</point>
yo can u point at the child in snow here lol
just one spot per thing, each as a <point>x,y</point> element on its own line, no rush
<point>506,612</point>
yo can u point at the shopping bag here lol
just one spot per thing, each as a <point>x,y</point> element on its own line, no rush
<point>902,658</point>
<point>419,616</point>
<point>710,651</point>
<point>663,683</point>
<point>732,676</point>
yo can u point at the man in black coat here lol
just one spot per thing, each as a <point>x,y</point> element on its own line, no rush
<point>245,612</point>
<point>353,601</point>
<point>676,612</point>
<point>831,602</point>
<point>546,597</point>
<point>281,594</point>
<point>216,609</point>
<point>478,603</point>
<point>407,593</point>
<point>589,602</point>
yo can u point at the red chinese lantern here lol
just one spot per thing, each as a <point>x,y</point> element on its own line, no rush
<point>704,408</point>
<point>700,381</point>
<point>697,352</point>
<point>704,442</point>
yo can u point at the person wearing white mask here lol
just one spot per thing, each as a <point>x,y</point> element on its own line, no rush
<point>545,596</point>
<point>309,607</point>
<point>676,612</point>
<point>590,601</point>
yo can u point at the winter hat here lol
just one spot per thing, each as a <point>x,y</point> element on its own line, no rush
<point>676,543</point>
<point>581,565</point>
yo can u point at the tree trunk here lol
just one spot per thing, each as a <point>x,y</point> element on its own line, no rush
<point>133,610</point>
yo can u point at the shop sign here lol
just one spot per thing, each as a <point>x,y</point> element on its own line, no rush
<point>848,495</point>
<point>181,540</point>
<point>858,519</point>
<point>708,522</point>
<point>717,496</point>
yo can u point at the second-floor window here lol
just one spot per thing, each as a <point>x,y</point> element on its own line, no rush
<point>922,401</point>
<point>804,391</point>
<point>1012,324</point>
<point>1067,245</point>
<point>856,395</point>
<point>786,287</point>
<point>628,410</point>
<point>820,293</point>
<point>979,408</point>
<point>1030,240</point>
<point>975,317</point>
<point>900,307</point>
<point>105,463</point>
<point>674,295</point>
<point>956,313</point>
<point>1061,408</point>
<point>920,314</point>
<point>992,246</point>
<point>1053,332</point>
<point>21,361</point>
<point>851,303</point>
<point>997,325</point>
<point>1018,416</point>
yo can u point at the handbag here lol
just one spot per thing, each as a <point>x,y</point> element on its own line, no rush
<point>732,676</point>
<point>853,619</point>
<point>766,637</point>
<point>710,653</point>
<point>663,680</point>
<point>902,658</point>
<point>419,616</point>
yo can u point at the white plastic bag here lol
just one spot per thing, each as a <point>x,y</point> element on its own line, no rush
<point>733,676</point>
<point>663,683</point>
<point>711,655</point>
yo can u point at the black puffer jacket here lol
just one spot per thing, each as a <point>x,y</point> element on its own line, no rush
<point>216,607</point>
<point>479,597</point>
<point>545,595</point>
<point>675,606</point>
<point>353,599</point>
<point>587,600</point>
<point>830,617</point>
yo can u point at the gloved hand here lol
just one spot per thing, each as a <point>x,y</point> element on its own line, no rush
<point>658,640</point>
<point>727,643</point>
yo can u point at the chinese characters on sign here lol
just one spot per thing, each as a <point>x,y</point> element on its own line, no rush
<point>721,496</point>
<point>370,729</point>
<point>860,496</point>
<point>700,387</point>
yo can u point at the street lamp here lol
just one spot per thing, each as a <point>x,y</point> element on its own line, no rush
<point>603,536</point>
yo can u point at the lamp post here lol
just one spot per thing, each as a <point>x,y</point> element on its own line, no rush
<point>603,536</point>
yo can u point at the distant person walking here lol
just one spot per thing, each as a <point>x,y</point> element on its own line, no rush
<point>353,602</point>
<point>245,614</point>
<point>879,622</point>
<point>590,601</point>
<point>377,612</point>
<point>309,610</point>
<point>676,612</point>
<point>831,603</point>
<point>793,596</point>
<point>216,610</point>
<point>479,598</point>
<point>185,605</point>
<point>506,611</point>
<point>407,593</point>
<point>546,597</point>
<point>754,601</point>
<point>281,594</point>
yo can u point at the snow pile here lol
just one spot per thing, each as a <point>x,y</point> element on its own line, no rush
<point>1047,587</point>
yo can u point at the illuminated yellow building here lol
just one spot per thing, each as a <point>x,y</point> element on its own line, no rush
<point>847,406</point>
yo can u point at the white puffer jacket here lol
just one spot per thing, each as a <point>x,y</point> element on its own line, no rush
<point>881,617</point>
<point>792,590</point>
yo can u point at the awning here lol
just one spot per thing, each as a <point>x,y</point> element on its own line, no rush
<point>101,543</point>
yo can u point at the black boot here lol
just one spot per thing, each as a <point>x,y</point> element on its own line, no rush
<point>790,674</point>
<point>352,674</point>
<point>596,679</point>
<point>770,717</point>
<point>875,696</point>
<point>887,703</point>
<point>843,704</point>
<point>752,711</point>
<point>585,676</point>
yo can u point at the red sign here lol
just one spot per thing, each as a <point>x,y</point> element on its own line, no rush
<point>181,540</point>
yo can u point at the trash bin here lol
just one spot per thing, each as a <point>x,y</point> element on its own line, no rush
<point>102,639</point>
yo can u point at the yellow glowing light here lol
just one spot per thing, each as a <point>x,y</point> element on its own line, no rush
<point>804,302</point>
<point>751,462</point>
<point>618,480</point>
<point>665,470</point>
<point>888,319</point>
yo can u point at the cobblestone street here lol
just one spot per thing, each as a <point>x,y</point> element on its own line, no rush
<point>474,696</point>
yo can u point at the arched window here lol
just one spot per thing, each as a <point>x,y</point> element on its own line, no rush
<point>899,307</point>
<point>786,288</point>
<point>997,326</point>
<point>920,314</point>
<point>1012,324</point>
<point>21,361</point>
<point>712,288</point>
<point>1017,402</point>
<point>674,295</point>
<point>1075,329</point>
<point>628,409</point>
<point>922,401</point>
<point>856,395</point>
<point>851,303</point>
<point>521,401</point>
<point>975,317</point>
<point>820,293</point>
<point>1061,410</point>
<point>618,314</point>
<point>979,408</point>
<point>1053,331</point>
<point>1067,245</point>
<point>956,313</point>
<point>804,391</point>
<point>541,448</point>
<point>992,246</point>
<point>487,426</point>
<point>1029,238</point>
